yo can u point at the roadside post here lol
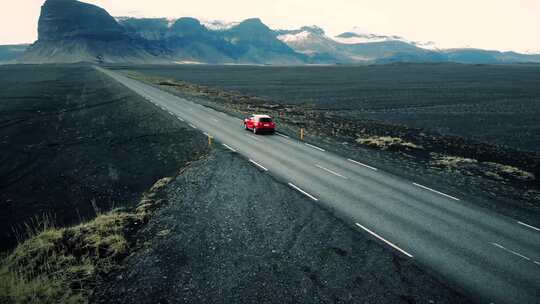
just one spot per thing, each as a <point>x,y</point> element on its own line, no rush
<point>210,138</point>
<point>301,133</point>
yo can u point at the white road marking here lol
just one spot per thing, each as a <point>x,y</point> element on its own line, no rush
<point>384,240</point>
<point>180,118</point>
<point>315,147</point>
<point>511,251</point>
<point>228,147</point>
<point>435,191</point>
<point>330,171</point>
<point>257,164</point>
<point>303,192</point>
<point>529,226</point>
<point>171,113</point>
<point>208,135</point>
<point>283,135</point>
<point>364,165</point>
<point>537,263</point>
<point>192,126</point>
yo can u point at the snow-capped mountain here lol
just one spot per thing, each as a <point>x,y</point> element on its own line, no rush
<point>349,47</point>
<point>356,36</point>
<point>307,40</point>
<point>218,25</point>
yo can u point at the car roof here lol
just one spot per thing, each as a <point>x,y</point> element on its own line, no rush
<point>261,116</point>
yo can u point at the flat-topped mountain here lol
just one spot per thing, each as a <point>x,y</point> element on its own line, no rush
<point>70,19</point>
<point>73,31</point>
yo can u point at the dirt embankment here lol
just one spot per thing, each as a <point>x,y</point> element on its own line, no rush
<point>496,177</point>
<point>232,234</point>
<point>72,141</point>
<point>64,265</point>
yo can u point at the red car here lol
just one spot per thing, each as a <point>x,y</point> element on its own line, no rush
<point>260,123</point>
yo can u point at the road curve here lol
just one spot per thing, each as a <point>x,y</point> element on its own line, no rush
<point>492,258</point>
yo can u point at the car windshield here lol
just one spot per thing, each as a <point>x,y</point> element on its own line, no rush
<point>265,119</point>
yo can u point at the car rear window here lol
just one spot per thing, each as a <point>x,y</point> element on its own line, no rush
<point>265,119</point>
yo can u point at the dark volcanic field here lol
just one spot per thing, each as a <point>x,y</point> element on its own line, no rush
<point>69,136</point>
<point>499,104</point>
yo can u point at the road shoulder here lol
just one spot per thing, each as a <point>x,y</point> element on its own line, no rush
<point>232,234</point>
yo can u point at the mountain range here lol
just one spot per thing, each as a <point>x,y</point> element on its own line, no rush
<point>73,31</point>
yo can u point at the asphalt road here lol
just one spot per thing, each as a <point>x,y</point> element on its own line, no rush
<point>492,258</point>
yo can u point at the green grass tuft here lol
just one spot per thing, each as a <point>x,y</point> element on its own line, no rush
<point>63,265</point>
<point>60,265</point>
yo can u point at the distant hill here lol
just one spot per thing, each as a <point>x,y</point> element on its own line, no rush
<point>73,31</point>
<point>10,53</point>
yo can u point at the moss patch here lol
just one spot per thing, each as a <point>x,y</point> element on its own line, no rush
<point>491,170</point>
<point>63,265</point>
<point>387,143</point>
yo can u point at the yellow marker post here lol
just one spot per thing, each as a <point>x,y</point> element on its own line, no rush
<point>301,133</point>
<point>210,140</point>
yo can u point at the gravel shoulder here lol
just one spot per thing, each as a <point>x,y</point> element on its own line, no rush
<point>232,234</point>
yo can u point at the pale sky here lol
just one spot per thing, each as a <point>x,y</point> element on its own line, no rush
<point>488,24</point>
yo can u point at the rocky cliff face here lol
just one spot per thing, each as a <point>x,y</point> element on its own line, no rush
<point>70,19</point>
<point>73,31</point>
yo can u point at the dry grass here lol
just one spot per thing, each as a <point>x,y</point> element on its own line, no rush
<point>452,161</point>
<point>62,265</point>
<point>59,265</point>
<point>387,142</point>
<point>495,171</point>
<point>512,171</point>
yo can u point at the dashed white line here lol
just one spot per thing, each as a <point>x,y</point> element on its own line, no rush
<point>330,171</point>
<point>384,240</point>
<point>180,118</point>
<point>192,126</point>
<point>229,147</point>
<point>435,191</point>
<point>361,164</point>
<point>529,226</point>
<point>511,251</point>
<point>315,147</point>
<point>537,263</point>
<point>208,135</point>
<point>303,192</point>
<point>171,113</point>
<point>257,164</point>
